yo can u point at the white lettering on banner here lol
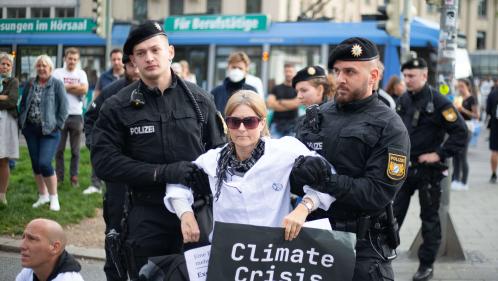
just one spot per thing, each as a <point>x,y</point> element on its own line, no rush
<point>141,130</point>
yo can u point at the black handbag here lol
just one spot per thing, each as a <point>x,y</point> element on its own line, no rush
<point>203,210</point>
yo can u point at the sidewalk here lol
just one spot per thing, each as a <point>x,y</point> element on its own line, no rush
<point>474,215</point>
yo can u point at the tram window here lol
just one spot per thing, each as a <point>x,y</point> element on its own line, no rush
<point>26,56</point>
<point>40,12</point>
<point>222,54</point>
<point>300,56</point>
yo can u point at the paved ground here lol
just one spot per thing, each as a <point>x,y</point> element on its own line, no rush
<point>474,215</point>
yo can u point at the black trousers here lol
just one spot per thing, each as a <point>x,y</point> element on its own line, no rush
<point>430,197</point>
<point>371,264</point>
<point>113,213</point>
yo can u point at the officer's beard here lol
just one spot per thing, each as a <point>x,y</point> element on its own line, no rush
<point>349,95</point>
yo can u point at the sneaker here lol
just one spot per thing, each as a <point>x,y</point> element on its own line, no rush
<point>3,201</point>
<point>54,204</point>
<point>74,182</point>
<point>456,185</point>
<point>42,200</point>
<point>92,189</point>
<point>493,178</point>
<point>464,186</point>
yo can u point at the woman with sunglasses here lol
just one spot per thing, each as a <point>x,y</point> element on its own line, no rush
<point>249,176</point>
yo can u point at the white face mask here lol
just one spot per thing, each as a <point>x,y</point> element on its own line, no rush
<point>235,75</point>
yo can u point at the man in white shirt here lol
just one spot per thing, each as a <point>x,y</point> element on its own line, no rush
<point>76,84</point>
<point>43,254</point>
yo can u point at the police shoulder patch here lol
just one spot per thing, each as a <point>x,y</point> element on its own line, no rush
<point>450,114</point>
<point>396,166</point>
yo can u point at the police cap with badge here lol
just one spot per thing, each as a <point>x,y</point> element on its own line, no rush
<point>308,73</point>
<point>141,33</point>
<point>414,63</point>
<point>353,49</point>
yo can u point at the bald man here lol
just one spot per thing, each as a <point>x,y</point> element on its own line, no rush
<point>43,254</point>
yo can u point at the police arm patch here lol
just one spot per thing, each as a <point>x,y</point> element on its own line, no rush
<point>396,166</point>
<point>450,114</point>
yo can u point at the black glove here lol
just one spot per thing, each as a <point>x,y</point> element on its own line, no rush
<point>199,181</point>
<point>178,172</point>
<point>312,171</point>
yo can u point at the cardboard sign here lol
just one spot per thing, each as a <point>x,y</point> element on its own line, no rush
<point>246,252</point>
<point>197,262</point>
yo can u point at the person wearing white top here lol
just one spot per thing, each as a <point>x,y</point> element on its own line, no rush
<point>76,84</point>
<point>249,176</point>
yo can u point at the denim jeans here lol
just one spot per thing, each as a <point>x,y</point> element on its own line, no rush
<point>41,148</point>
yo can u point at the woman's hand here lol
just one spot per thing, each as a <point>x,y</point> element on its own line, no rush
<point>190,228</point>
<point>294,221</point>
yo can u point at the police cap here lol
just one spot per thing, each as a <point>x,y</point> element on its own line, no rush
<point>418,63</point>
<point>308,73</point>
<point>353,49</point>
<point>141,33</point>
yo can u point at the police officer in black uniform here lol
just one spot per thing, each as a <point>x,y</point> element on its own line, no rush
<point>146,136</point>
<point>368,145</point>
<point>428,116</point>
<point>114,197</point>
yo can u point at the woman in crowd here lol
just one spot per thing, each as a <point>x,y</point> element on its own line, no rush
<point>312,85</point>
<point>395,87</point>
<point>42,115</point>
<point>9,135</point>
<point>469,110</point>
<point>186,74</point>
<point>249,176</point>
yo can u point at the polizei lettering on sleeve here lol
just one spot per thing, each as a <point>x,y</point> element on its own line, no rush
<point>142,130</point>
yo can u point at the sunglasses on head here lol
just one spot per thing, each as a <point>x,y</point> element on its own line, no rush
<point>249,122</point>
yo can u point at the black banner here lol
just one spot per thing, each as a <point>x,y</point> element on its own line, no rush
<point>255,253</point>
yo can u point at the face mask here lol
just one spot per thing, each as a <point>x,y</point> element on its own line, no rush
<point>235,75</point>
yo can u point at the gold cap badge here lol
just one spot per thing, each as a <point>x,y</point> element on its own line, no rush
<point>311,71</point>
<point>356,50</point>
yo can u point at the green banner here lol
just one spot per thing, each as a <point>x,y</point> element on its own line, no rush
<point>244,23</point>
<point>46,25</point>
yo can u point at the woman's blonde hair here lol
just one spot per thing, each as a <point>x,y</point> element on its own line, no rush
<point>252,100</point>
<point>46,59</point>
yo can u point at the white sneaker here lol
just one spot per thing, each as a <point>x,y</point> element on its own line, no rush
<point>54,203</point>
<point>464,186</point>
<point>92,189</point>
<point>42,200</point>
<point>456,185</point>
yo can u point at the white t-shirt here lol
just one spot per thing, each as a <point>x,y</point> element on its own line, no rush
<point>256,83</point>
<point>77,76</point>
<point>26,274</point>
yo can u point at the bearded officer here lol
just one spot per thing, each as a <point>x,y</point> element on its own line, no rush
<point>429,117</point>
<point>368,145</point>
<point>146,136</point>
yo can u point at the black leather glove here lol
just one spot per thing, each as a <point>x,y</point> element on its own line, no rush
<point>311,170</point>
<point>199,181</point>
<point>178,172</point>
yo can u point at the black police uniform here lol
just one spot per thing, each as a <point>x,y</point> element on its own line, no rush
<point>428,116</point>
<point>368,145</point>
<point>114,196</point>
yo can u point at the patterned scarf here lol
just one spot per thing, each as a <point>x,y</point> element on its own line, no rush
<point>229,164</point>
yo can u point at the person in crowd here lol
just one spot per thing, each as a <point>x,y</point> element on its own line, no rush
<point>312,86</point>
<point>383,95</point>
<point>44,256</point>
<point>43,111</point>
<point>395,87</point>
<point>76,85</point>
<point>186,74</point>
<point>250,159</point>
<point>255,82</point>
<point>9,133</point>
<point>133,143</point>
<point>177,68</point>
<point>114,73</point>
<point>492,111</point>
<point>429,117</point>
<point>284,103</point>
<point>469,109</point>
<point>238,64</point>
<point>114,197</point>
<point>368,145</point>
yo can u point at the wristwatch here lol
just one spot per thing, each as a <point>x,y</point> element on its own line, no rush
<point>308,204</point>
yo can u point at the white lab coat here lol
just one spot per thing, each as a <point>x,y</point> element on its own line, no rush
<point>262,196</point>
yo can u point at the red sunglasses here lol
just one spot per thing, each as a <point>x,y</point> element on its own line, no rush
<point>249,122</point>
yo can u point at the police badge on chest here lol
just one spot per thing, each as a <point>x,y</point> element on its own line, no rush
<point>142,130</point>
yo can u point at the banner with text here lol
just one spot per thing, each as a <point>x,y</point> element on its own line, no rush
<point>47,25</point>
<point>246,252</point>
<point>245,23</point>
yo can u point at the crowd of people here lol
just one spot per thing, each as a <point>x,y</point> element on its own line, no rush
<point>358,153</point>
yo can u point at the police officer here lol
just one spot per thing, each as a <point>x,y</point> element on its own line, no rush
<point>368,145</point>
<point>146,136</point>
<point>114,196</point>
<point>428,116</point>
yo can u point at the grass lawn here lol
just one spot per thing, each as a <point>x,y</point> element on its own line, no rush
<point>22,193</point>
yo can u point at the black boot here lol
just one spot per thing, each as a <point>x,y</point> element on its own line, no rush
<point>423,273</point>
